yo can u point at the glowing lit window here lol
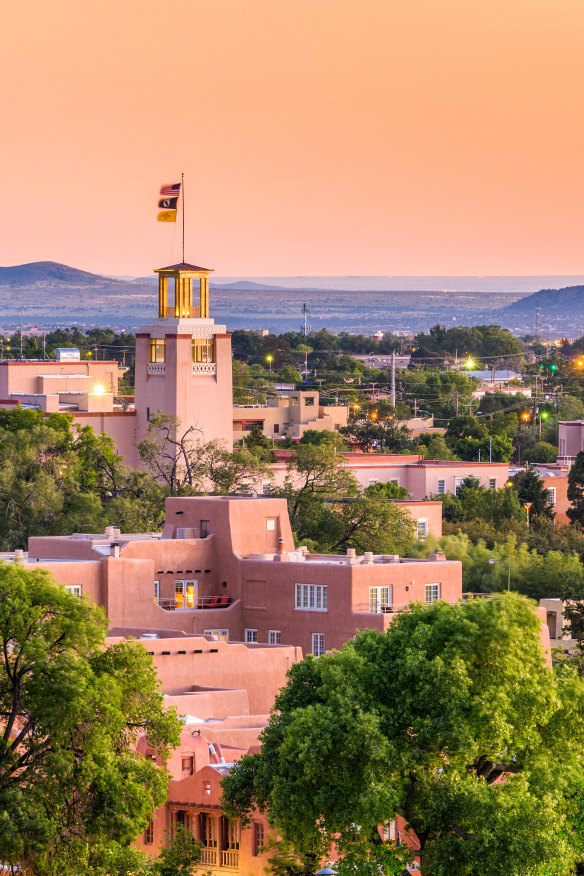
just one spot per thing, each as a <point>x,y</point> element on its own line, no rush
<point>157,350</point>
<point>203,349</point>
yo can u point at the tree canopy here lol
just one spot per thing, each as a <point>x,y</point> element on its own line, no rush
<point>452,719</point>
<point>71,785</point>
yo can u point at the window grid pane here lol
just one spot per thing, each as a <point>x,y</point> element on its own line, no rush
<point>311,596</point>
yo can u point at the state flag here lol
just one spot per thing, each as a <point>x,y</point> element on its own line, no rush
<point>171,189</point>
<point>167,216</point>
<point>168,203</point>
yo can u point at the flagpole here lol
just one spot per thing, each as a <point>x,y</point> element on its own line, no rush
<point>183,216</point>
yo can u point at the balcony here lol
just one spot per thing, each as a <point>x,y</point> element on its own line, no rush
<point>204,368</point>
<point>156,368</point>
<point>200,604</point>
<point>230,858</point>
<point>208,856</point>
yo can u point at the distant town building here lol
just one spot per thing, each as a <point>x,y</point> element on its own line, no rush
<point>289,416</point>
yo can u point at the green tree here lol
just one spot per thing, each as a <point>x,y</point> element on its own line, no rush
<point>452,719</point>
<point>530,488</point>
<point>576,491</point>
<point>388,491</point>
<point>379,427</point>
<point>543,451</point>
<point>323,436</point>
<point>314,474</point>
<point>71,784</point>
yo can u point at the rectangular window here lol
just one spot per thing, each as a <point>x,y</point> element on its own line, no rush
<point>274,637</point>
<point>74,590</point>
<point>380,599</point>
<point>185,595</point>
<point>187,766</point>
<point>156,592</point>
<point>421,529</point>
<point>203,349</point>
<point>309,401</point>
<point>271,524</point>
<point>276,428</point>
<point>258,838</point>
<point>218,635</point>
<point>251,635</point>
<point>441,487</point>
<point>209,832</point>
<point>149,833</point>
<point>372,482</point>
<point>204,528</point>
<point>266,487</point>
<point>492,483</point>
<point>318,644</point>
<point>313,597</point>
<point>457,485</point>
<point>551,496</point>
<point>232,834</point>
<point>431,593</point>
<point>157,350</point>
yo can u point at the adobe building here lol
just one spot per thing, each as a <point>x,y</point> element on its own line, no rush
<point>183,367</point>
<point>288,417</point>
<point>183,360</point>
<point>420,477</point>
<point>227,567</point>
<point>225,692</point>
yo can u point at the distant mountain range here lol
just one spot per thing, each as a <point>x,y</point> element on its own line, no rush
<point>48,294</point>
<point>553,302</point>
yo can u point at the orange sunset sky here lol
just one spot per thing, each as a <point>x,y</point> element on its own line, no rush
<point>316,136</point>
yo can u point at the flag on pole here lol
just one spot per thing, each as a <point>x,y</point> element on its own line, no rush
<point>171,189</point>
<point>167,216</point>
<point>168,203</point>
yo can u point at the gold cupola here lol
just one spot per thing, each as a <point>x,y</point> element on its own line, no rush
<point>183,275</point>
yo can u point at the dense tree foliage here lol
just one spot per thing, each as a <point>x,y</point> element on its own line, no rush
<point>328,512</point>
<point>485,343</point>
<point>379,426</point>
<point>576,491</point>
<point>452,719</point>
<point>71,785</point>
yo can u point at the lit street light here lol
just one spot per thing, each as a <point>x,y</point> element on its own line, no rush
<point>527,506</point>
<point>269,360</point>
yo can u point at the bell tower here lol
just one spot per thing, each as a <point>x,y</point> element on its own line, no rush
<point>183,360</point>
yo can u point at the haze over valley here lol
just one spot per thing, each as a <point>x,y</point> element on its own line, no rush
<point>49,294</point>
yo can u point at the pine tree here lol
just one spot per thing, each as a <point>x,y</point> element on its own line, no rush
<point>576,491</point>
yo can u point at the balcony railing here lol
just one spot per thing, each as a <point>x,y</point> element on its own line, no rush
<point>156,368</point>
<point>230,858</point>
<point>204,368</point>
<point>200,604</point>
<point>208,856</point>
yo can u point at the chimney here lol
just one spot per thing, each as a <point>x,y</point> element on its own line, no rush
<point>115,549</point>
<point>280,545</point>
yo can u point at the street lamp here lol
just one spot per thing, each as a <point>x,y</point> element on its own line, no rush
<point>269,360</point>
<point>527,506</point>
<point>494,560</point>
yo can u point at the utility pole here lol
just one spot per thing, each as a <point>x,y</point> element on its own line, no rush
<point>393,378</point>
